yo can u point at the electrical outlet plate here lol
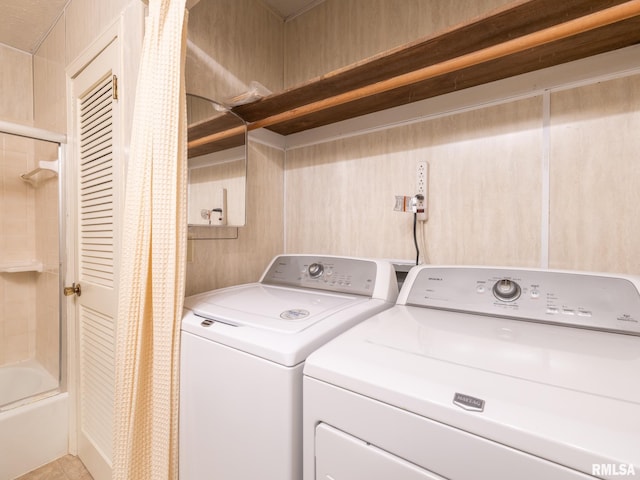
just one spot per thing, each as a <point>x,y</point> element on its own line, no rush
<point>422,178</point>
<point>422,172</point>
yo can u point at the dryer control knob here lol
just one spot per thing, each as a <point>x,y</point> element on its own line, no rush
<point>506,290</point>
<point>316,270</point>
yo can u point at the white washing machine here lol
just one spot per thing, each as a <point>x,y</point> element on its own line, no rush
<point>242,353</point>
<point>482,373</point>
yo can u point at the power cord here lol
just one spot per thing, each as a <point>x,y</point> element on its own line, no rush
<point>424,251</point>
<point>415,238</point>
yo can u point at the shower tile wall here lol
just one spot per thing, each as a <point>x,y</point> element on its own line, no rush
<point>17,206</point>
<point>17,243</point>
<point>29,318</point>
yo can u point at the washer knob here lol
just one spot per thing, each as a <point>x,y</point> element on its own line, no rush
<point>316,270</point>
<point>506,290</point>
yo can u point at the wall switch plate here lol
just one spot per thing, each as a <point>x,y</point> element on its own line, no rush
<point>399,205</point>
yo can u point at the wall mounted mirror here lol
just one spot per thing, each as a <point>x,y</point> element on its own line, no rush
<point>217,170</point>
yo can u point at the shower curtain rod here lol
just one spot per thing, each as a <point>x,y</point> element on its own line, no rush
<point>32,132</point>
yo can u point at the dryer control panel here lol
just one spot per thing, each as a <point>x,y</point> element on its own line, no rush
<point>595,301</point>
<point>336,274</point>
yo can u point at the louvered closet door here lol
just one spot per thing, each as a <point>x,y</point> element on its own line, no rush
<point>97,163</point>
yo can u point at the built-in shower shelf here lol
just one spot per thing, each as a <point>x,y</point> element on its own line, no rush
<point>17,267</point>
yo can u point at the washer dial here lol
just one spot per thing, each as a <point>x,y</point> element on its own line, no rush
<point>506,290</point>
<point>316,270</point>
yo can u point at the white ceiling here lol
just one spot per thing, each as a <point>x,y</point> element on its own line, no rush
<point>25,23</point>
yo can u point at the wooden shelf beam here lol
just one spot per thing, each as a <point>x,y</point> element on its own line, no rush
<point>521,37</point>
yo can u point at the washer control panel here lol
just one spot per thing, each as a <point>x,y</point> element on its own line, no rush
<point>595,301</point>
<point>336,274</point>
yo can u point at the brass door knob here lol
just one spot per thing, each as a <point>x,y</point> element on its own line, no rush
<point>72,290</point>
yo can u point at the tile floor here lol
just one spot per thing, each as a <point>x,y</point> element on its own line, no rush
<point>68,467</point>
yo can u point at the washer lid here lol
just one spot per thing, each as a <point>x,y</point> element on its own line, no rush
<point>268,307</point>
<point>566,394</point>
<point>596,363</point>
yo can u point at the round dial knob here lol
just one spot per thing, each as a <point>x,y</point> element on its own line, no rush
<point>506,290</point>
<point>316,270</point>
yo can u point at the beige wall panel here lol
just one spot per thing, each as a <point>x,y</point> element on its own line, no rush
<point>231,44</point>
<point>86,20</point>
<point>485,189</point>
<point>49,81</point>
<point>206,185</point>
<point>221,263</point>
<point>595,177</point>
<point>16,86</point>
<point>83,22</point>
<point>337,33</point>
<point>132,39</point>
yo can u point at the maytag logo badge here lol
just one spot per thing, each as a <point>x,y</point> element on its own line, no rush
<point>468,402</point>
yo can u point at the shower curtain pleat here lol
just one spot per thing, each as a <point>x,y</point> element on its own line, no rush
<point>153,259</point>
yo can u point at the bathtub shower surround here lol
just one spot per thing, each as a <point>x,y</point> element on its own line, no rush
<point>33,425</point>
<point>33,411</point>
<point>29,255</point>
<point>32,435</point>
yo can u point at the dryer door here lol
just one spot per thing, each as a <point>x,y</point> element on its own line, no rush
<point>342,457</point>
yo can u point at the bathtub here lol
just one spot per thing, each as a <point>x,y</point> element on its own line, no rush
<point>33,431</point>
<point>19,383</point>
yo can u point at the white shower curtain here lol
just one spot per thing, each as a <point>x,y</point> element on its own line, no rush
<point>153,259</point>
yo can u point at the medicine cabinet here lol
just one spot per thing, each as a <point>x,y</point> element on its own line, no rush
<point>217,171</point>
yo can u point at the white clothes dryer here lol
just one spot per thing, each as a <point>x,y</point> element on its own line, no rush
<point>482,373</point>
<point>242,353</point>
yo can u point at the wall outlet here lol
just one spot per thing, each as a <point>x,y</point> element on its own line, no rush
<point>422,174</point>
<point>422,190</point>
